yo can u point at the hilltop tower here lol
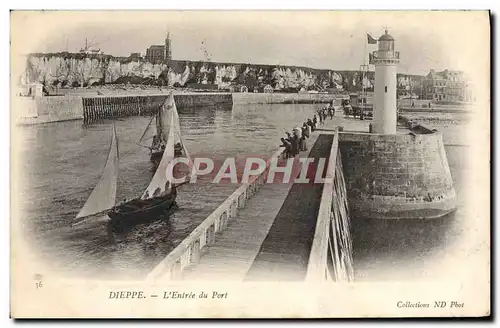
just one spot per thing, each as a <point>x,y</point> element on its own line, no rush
<point>385,106</point>
<point>168,48</point>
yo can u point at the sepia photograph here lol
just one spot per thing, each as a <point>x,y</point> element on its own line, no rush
<point>250,164</point>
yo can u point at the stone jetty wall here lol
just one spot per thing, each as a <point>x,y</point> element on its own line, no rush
<point>244,98</point>
<point>34,110</point>
<point>92,108</point>
<point>397,176</point>
<point>203,100</point>
<point>31,110</point>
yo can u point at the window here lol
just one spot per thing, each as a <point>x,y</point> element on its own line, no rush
<point>386,88</point>
<point>386,45</point>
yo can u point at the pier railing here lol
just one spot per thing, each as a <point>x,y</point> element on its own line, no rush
<point>190,250</point>
<point>331,253</point>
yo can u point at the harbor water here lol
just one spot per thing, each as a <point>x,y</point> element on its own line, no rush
<point>62,162</point>
<point>66,160</point>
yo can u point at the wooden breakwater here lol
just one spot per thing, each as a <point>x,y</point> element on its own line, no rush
<point>101,107</point>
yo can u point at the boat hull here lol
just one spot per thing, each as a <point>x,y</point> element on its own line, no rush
<point>139,211</point>
<point>156,156</point>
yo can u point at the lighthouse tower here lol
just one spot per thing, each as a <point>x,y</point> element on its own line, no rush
<point>385,104</point>
<point>419,185</point>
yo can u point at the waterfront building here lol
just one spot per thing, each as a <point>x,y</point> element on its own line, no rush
<point>447,85</point>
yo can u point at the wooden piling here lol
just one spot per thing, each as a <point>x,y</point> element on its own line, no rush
<point>84,104</point>
<point>99,109</point>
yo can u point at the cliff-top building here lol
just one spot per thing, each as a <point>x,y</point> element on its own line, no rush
<point>159,53</point>
<point>446,85</point>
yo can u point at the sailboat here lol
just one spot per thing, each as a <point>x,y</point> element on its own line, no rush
<point>166,114</point>
<point>158,198</point>
<point>103,196</point>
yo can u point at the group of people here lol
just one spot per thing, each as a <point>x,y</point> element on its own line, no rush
<point>324,112</point>
<point>295,142</point>
<point>169,190</point>
<point>159,145</point>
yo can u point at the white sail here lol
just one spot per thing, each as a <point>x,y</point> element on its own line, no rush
<point>178,137</point>
<point>160,177</point>
<point>168,113</point>
<point>165,117</point>
<point>103,196</point>
<point>192,171</point>
<point>162,122</point>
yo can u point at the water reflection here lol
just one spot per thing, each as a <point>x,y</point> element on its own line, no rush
<point>398,238</point>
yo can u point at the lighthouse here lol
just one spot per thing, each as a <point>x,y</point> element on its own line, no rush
<point>404,175</point>
<point>385,104</point>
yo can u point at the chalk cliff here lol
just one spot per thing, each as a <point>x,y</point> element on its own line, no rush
<point>65,69</point>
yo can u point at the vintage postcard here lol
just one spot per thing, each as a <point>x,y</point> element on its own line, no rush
<point>250,164</point>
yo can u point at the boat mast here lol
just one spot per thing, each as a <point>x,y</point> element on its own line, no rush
<point>363,68</point>
<point>158,124</point>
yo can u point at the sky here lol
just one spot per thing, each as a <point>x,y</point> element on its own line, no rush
<point>318,39</point>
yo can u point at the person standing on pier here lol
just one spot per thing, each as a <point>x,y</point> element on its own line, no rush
<point>302,142</point>
<point>295,144</point>
<point>288,148</point>
<point>310,124</point>
<point>320,117</point>
<point>331,111</point>
<point>315,122</point>
<point>306,130</point>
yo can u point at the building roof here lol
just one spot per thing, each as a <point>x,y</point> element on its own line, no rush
<point>386,37</point>
<point>443,74</point>
<point>155,46</point>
